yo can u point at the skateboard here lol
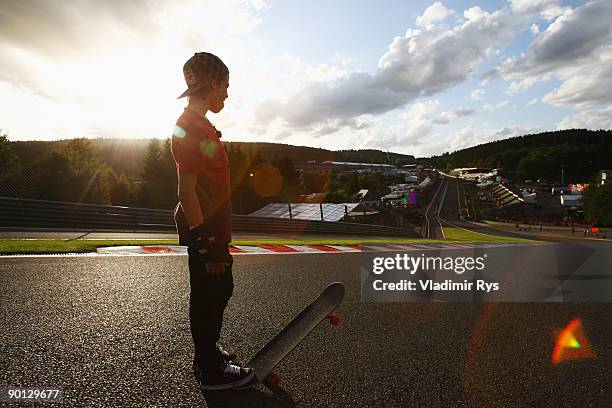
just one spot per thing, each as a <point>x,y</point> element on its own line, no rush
<point>270,355</point>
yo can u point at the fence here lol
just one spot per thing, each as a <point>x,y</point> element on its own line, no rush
<point>20,214</point>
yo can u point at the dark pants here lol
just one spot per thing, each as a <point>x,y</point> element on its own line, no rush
<point>207,301</point>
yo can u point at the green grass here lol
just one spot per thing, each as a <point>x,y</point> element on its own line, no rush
<point>462,235</point>
<point>56,246</point>
<point>53,246</point>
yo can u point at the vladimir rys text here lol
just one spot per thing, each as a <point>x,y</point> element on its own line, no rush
<point>388,267</point>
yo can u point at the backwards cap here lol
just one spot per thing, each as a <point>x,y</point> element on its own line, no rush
<point>200,70</point>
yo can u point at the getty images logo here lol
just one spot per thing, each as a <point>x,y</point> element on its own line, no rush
<point>410,264</point>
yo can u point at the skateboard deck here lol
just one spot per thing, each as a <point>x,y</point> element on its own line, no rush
<point>270,355</point>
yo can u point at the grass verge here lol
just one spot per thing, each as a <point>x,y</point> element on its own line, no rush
<point>56,246</point>
<point>462,235</point>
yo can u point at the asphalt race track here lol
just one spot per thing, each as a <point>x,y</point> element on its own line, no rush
<point>113,331</point>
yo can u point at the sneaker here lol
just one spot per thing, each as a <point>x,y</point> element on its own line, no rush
<point>226,377</point>
<point>228,356</point>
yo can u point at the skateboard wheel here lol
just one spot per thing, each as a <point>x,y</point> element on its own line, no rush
<point>334,319</point>
<point>273,380</point>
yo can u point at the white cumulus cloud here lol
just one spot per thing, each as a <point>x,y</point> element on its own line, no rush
<point>490,108</point>
<point>477,94</point>
<point>594,119</point>
<point>584,86</point>
<point>434,13</point>
<point>418,64</point>
<point>448,116</point>
<point>574,48</point>
<point>573,37</point>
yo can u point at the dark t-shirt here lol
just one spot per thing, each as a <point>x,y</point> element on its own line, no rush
<point>196,148</point>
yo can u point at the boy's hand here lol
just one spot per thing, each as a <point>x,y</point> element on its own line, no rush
<point>215,268</point>
<point>215,254</point>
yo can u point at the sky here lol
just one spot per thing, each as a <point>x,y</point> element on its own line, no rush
<point>418,77</point>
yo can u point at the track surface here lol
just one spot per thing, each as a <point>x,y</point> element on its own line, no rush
<point>114,332</point>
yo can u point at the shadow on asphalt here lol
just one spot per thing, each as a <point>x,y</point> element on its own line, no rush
<point>251,397</point>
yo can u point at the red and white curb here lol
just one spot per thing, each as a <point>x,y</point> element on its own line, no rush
<point>264,249</point>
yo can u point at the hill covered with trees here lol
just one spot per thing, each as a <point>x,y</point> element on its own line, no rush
<point>127,155</point>
<point>581,153</point>
<point>142,172</point>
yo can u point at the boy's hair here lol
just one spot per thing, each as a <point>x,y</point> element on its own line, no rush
<point>200,70</point>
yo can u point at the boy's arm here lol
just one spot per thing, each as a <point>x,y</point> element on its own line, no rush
<point>188,197</point>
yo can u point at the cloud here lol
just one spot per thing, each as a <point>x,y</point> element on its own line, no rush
<point>418,64</point>
<point>461,139</point>
<point>477,94</point>
<point>434,13</point>
<point>422,142</point>
<point>470,136</point>
<point>64,30</point>
<point>464,138</point>
<point>411,132</point>
<point>519,86</point>
<point>417,122</point>
<point>331,104</point>
<point>414,129</point>
<point>448,116</point>
<point>490,108</point>
<point>594,119</point>
<point>62,35</point>
<point>572,38</point>
<point>533,101</point>
<point>526,83</point>
<point>89,61</point>
<point>584,86</point>
<point>96,58</point>
<point>424,63</point>
<point>575,48</point>
<point>547,9</point>
<point>86,29</point>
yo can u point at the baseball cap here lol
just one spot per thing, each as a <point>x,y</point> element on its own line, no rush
<point>200,70</point>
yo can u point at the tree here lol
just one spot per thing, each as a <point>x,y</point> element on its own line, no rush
<point>597,204</point>
<point>529,167</point>
<point>292,185</point>
<point>159,176</point>
<point>123,190</point>
<point>158,164</point>
<point>239,166</point>
<point>337,196</point>
<point>10,168</point>
<point>315,182</point>
<point>74,171</point>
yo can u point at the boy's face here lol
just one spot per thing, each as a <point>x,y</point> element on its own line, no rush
<point>217,95</point>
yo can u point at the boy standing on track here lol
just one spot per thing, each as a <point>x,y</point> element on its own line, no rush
<point>203,219</point>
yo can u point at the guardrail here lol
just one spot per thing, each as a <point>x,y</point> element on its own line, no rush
<point>19,213</point>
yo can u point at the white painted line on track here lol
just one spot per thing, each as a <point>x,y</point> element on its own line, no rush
<point>249,249</point>
<point>343,248</point>
<point>303,249</point>
<point>255,250</point>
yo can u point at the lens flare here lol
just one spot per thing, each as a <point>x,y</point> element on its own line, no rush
<point>267,180</point>
<point>208,148</point>
<point>572,344</point>
<point>179,132</point>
